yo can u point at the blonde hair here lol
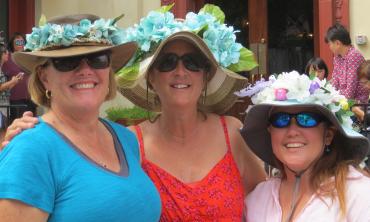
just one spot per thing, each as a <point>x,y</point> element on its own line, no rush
<point>38,92</point>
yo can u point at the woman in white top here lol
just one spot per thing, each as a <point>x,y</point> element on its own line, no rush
<point>302,126</point>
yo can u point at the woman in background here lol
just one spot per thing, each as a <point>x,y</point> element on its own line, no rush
<point>18,94</point>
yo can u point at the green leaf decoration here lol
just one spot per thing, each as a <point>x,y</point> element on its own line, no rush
<point>129,72</point>
<point>215,11</point>
<point>42,20</point>
<point>351,102</point>
<point>165,8</point>
<point>117,18</point>
<point>312,75</point>
<point>246,62</point>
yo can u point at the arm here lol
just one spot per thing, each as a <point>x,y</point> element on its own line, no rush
<point>11,83</point>
<point>26,122</point>
<point>250,166</point>
<point>15,211</point>
<point>360,114</point>
<point>351,79</point>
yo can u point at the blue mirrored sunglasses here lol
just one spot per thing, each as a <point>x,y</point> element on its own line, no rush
<point>303,119</point>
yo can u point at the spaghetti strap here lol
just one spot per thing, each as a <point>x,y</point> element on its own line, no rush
<point>226,132</point>
<point>140,140</point>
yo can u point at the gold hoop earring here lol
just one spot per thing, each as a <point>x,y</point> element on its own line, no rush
<point>48,94</point>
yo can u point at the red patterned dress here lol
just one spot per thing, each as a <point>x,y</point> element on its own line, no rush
<point>217,197</point>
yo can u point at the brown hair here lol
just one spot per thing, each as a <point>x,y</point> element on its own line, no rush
<point>364,70</point>
<point>37,89</point>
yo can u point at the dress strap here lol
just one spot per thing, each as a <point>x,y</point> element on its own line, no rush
<point>140,140</point>
<point>226,132</point>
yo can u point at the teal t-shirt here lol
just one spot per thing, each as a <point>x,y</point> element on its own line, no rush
<point>42,169</point>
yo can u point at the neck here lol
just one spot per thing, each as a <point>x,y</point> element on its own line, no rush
<point>344,50</point>
<point>80,122</point>
<point>179,126</point>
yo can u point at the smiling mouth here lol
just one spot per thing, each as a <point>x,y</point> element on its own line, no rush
<point>294,145</point>
<point>180,86</point>
<point>84,86</point>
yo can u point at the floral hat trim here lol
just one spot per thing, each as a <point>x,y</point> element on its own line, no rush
<point>50,36</point>
<point>292,86</point>
<point>208,24</point>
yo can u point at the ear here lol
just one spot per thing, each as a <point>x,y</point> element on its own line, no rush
<point>43,76</point>
<point>330,133</point>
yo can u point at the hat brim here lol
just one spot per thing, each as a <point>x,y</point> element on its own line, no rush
<point>258,138</point>
<point>121,54</point>
<point>220,87</point>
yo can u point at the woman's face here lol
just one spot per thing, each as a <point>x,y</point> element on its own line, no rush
<point>320,73</point>
<point>364,82</point>
<point>297,147</point>
<point>178,83</point>
<point>18,44</point>
<point>83,88</point>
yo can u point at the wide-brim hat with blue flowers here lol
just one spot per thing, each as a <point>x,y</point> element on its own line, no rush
<point>75,35</point>
<point>209,35</point>
<point>299,91</point>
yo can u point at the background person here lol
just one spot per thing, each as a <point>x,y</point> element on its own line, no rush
<point>5,85</point>
<point>74,166</point>
<point>318,67</point>
<point>317,154</point>
<point>18,94</point>
<point>364,77</point>
<point>347,61</point>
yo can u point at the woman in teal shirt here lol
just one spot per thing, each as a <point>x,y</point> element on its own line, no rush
<point>74,166</point>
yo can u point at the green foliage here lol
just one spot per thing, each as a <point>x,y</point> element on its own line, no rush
<point>246,61</point>
<point>116,113</point>
<point>215,11</point>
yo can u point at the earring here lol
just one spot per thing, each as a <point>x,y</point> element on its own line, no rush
<point>48,94</point>
<point>327,149</point>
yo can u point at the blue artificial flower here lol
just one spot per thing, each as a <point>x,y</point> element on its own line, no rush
<point>69,35</point>
<point>197,21</point>
<point>154,28</point>
<point>221,41</point>
<point>84,26</point>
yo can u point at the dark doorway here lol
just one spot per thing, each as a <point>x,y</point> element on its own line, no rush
<point>290,34</point>
<point>4,18</point>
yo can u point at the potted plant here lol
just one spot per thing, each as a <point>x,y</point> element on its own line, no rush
<point>128,116</point>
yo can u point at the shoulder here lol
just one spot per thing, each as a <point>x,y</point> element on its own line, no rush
<point>125,136</point>
<point>358,183</point>
<point>357,195</point>
<point>120,130</point>
<point>263,192</point>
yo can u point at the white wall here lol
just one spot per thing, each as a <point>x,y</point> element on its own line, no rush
<point>359,24</point>
<point>133,10</point>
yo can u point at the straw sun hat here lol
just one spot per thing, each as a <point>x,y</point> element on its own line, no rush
<point>295,90</point>
<point>209,35</point>
<point>75,35</point>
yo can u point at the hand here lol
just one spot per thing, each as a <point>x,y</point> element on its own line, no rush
<point>17,77</point>
<point>27,121</point>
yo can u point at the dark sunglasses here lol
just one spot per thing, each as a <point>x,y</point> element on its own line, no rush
<point>19,42</point>
<point>95,61</point>
<point>303,119</point>
<point>194,62</point>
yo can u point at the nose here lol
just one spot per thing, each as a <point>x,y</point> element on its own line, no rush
<point>293,128</point>
<point>180,68</point>
<point>84,68</point>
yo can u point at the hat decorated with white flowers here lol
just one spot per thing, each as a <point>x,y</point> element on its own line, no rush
<point>75,35</point>
<point>295,90</point>
<point>208,33</point>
